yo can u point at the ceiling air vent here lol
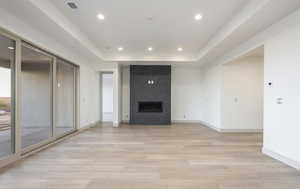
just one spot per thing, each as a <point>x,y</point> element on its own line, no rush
<point>72,5</point>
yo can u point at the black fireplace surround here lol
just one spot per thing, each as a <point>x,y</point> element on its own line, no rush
<point>150,95</point>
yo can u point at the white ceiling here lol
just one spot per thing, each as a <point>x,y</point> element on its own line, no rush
<point>224,26</point>
<point>126,24</point>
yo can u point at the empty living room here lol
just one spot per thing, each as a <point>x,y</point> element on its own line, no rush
<point>157,94</point>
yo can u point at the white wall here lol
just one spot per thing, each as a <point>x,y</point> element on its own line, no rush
<point>125,94</point>
<point>281,67</point>
<point>282,121</point>
<point>232,95</point>
<point>119,80</point>
<point>242,95</point>
<point>185,94</point>
<point>117,83</point>
<point>89,96</point>
<point>107,97</point>
<point>211,96</point>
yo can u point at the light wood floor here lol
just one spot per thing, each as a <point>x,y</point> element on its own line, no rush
<point>181,156</point>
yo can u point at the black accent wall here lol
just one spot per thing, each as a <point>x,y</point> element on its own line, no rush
<point>150,95</point>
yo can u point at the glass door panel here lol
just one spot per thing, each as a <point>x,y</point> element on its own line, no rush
<point>7,131</point>
<point>65,97</point>
<point>36,96</point>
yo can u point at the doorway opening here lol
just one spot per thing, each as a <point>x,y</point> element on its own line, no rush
<point>243,86</point>
<point>107,96</point>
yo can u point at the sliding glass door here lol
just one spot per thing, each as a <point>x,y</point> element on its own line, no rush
<point>65,97</point>
<point>36,96</point>
<point>7,64</point>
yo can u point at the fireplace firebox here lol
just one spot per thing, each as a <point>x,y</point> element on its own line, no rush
<point>150,107</point>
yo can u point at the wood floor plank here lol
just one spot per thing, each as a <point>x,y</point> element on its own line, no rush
<point>181,156</point>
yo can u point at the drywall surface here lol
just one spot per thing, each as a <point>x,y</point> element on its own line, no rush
<point>186,92</point>
<point>282,102</point>
<point>242,94</point>
<point>119,95</point>
<point>89,96</point>
<point>211,96</point>
<point>125,94</point>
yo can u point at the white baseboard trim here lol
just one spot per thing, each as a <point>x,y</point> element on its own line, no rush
<point>88,126</point>
<point>240,130</point>
<point>185,121</point>
<point>172,121</point>
<point>116,124</point>
<point>283,159</point>
<point>106,122</point>
<point>230,130</point>
<point>210,126</point>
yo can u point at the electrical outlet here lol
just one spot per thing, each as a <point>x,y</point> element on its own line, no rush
<point>279,100</point>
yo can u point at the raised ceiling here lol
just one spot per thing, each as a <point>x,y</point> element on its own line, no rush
<point>164,25</point>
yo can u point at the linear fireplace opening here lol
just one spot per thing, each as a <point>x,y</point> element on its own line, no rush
<point>150,107</point>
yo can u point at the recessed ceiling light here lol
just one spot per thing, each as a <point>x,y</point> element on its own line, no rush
<point>11,48</point>
<point>150,48</point>
<point>198,17</point>
<point>100,16</point>
<point>179,49</point>
<point>120,49</point>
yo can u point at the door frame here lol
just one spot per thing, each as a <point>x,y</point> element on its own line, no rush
<point>101,93</point>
